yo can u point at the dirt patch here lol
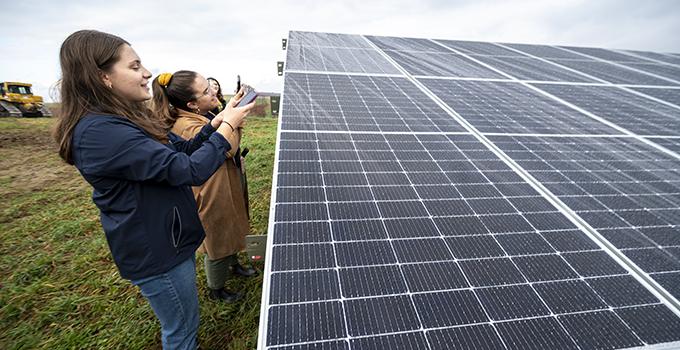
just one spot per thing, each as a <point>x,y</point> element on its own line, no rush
<point>17,138</point>
<point>30,161</point>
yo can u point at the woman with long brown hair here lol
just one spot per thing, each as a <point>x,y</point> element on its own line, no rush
<point>140,173</point>
<point>215,85</point>
<point>183,100</point>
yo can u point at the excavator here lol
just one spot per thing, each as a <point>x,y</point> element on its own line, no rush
<point>17,100</point>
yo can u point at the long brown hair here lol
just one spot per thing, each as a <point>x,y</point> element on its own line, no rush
<point>83,56</point>
<point>219,95</point>
<point>175,95</point>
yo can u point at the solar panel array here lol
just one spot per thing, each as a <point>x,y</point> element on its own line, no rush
<point>441,194</point>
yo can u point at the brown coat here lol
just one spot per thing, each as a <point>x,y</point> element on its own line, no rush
<point>220,199</point>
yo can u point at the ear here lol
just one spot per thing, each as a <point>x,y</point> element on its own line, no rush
<point>192,105</point>
<point>106,79</point>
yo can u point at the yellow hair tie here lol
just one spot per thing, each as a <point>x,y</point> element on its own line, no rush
<point>164,79</point>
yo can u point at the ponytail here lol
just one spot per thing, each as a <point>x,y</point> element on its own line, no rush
<point>172,92</point>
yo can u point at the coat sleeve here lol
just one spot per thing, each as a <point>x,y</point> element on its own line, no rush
<point>194,142</point>
<point>117,148</point>
<point>193,128</point>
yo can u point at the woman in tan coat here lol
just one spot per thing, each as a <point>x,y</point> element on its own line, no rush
<point>181,99</point>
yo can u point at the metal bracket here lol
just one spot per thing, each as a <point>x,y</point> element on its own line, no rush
<point>274,102</point>
<point>256,247</point>
<point>279,66</point>
<point>284,42</point>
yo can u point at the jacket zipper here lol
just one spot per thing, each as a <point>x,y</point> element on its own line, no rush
<point>175,242</point>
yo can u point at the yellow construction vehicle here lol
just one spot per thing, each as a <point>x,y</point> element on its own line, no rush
<point>17,100</point>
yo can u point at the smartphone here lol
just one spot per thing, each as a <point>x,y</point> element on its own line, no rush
<point>250,96</point>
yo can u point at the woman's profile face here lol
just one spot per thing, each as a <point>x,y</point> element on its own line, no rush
<point>128,78</point>
<point>204,95</point>
<point>214,85</point>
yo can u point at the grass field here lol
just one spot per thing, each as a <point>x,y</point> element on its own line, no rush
<point>59,286</point>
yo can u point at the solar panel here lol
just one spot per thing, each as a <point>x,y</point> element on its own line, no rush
<point>545,51</point>
<point>672,144</point>
<point>360,103</point>
<point>508,107</point>
<point>334,52</point>
<point>667,95</point>
<point>612,73</point>
<point>605,54</point>
<point>479,48</point>
<point>445,64</point>
<point>405,44</point>
<point>435,207</point>
<point>625,109</point>
<point>664,70</point>
<point>528,68</point>
<point>658,57</point>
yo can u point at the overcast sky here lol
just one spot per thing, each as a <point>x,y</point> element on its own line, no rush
<point>222,39</point>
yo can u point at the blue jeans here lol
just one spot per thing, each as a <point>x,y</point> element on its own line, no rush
<point>174,300</point>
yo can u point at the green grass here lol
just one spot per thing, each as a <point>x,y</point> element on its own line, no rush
<point>59,288</point>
